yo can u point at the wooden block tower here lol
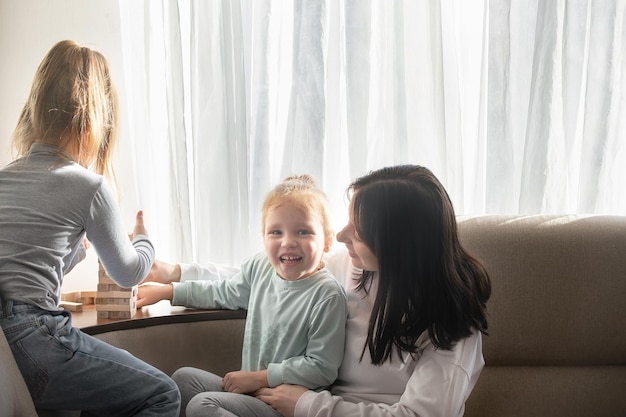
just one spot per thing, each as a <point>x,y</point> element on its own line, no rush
<point>113,301</point>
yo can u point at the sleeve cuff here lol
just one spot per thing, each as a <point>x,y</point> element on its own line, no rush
<point>178,294</point>
<point>188,272</point>
<point>305,403</point>
<point>274,374</point>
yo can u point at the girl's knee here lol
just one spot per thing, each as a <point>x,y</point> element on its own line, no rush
<point>202,406</point>
<point>182,373</point>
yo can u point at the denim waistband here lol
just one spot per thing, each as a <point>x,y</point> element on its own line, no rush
<point>9,307</point>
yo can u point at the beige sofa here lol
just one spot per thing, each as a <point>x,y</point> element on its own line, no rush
<point>557,344</point>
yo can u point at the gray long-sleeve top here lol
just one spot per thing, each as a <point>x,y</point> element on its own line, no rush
<point>47,205</point>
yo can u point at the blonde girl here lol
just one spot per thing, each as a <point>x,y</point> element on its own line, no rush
<point>295,328</point>
<point>57,192</point>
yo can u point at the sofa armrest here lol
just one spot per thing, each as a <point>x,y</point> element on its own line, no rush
<point>14,395</point>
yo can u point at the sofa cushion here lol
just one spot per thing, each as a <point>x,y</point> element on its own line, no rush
<point>554,391</point>
<point>558,286</point>
<point>557,343</point>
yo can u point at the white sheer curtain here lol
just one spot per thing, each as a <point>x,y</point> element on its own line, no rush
<point>517,106</point>
<point>185,92</point>
<point>556,101</point>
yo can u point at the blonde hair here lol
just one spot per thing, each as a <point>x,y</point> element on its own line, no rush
<point>303,193</point>
<point>73,105</point>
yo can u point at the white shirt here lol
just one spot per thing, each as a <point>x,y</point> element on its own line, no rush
<point>434,383</point>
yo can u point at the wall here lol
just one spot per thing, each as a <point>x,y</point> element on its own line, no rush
<point>28,28</point>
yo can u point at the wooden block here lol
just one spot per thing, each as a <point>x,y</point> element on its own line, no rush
<point>112,287</point>
<point>114,307</point>
<point>113,301</point>
<point>115,315</point>
<point>85,297</point>
<point>71,306</point>
<point>70,296</point>
<point>106,300</point>
<point>87,294</point>
<point>132,292</point>
<point>86,300</point>
<point>110,311</point>
<point>121,314</point>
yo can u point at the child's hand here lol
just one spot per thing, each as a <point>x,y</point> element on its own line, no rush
<point>242,382</point>
<point>139,229</point>
<point>150,294</point>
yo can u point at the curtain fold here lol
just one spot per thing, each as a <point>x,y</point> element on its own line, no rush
<point>179,182</point>
<point>517,106</point>
<point>152,61</point>
<point>219,130</point>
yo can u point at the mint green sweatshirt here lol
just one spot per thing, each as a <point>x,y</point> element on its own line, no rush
<point>294,329</point>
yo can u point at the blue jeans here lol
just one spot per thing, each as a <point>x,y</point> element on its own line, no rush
<point>203,396</point>
<point>66,369</point>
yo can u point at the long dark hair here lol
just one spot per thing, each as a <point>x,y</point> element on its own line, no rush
<point>426,280</point>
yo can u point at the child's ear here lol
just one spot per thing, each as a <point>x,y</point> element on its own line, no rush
<point>328,242</point>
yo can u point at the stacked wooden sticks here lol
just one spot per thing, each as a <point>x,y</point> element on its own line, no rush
<point>75,300</point>
<point>113,301</point>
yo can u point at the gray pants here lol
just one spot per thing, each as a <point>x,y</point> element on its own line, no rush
<point>202,395</point>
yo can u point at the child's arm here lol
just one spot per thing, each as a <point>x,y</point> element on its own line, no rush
<point>229,294</point>
<point>232,293</point>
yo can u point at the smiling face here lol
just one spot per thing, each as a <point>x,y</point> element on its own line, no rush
<point>294,241</point>
<point>361,255</point>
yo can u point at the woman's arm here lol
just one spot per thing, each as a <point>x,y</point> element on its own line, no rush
<point>163,272</point>
<point>168,273</point>
<point>439,386</point>
<point>282,398</point>
<point>206,272</point>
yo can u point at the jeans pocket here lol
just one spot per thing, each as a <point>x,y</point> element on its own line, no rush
<point>27,355</point>
<point>42,349</point>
